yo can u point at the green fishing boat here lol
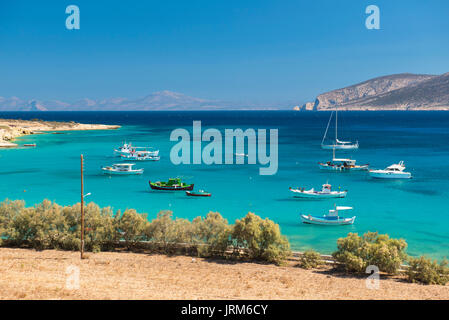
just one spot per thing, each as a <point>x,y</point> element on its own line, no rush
<point>173,184</point>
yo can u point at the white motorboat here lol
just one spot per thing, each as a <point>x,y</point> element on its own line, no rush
<point>395,171</point>
<point>330,219</point>
<point>122,168</point>
<point>325,193</point>
<point>337,144</point>
<point>140,156</point>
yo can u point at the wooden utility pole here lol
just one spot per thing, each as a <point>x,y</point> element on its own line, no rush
<point>82,208</point>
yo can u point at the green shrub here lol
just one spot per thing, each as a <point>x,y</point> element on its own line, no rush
<point>168,233</point>
<point>100,228</point>
<point>357,253</point>
<point>427,271</point>
<point>311,259</point>
<point>42,226</point>
<point>9,210</point>
<point>262,239</point>
<point>213,231</point>
<point>49,225</point>
<point>131,227</point>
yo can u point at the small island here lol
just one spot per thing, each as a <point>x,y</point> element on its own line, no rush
<point>11,129</point>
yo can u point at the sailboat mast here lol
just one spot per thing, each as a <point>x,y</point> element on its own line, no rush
<point>336,125</point>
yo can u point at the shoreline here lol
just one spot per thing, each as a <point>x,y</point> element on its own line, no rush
<point>11,129</point>
<point>146,275</point>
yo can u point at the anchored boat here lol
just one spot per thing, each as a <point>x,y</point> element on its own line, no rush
<point>127,148</point>
<point>325,193</point>
<point>343,165</point>
<point>140,156</point>
<point>395,171</point>
<point>200,193</point>
<point>339,164</point>
<point>337,144</point>
<point>330,219</point>
<point>122,169</point>
<point>173,184</point>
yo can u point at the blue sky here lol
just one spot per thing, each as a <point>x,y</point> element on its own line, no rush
<point>255,51</point>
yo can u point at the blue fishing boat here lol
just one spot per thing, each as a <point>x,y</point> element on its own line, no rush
<point>331,219</point>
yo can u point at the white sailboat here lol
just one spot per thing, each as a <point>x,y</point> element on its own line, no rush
<point>337,144</point>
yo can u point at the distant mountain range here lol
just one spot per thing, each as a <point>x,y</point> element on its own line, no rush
<point>163,100</point>
<point>403,91</point>
<point>395,92</point>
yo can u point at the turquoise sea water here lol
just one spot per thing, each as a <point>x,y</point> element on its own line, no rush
<point>416,210</point>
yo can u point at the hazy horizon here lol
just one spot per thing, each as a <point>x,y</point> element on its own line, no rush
<point>237,53</point>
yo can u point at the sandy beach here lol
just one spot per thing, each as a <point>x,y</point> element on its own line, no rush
<point>29,274</point>
<point>12,128</point>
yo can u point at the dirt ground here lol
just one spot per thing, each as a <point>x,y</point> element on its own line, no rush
<point>29,274</point>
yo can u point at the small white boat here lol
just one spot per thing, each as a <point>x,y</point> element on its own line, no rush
<point>142,151</point>
<point>330,219</point>
<point>140,156</point>
<point>127,148</point>
<point>395,171</point>
<point>121,168</point>
<point>325,193</point>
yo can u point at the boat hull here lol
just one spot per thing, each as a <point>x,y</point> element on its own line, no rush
<point>127,152</point>
<point>389,175</point>
<point>195,194</point>
<point>319,195</point>
<point>133,172</point>
<point>152,158</point>
<point>171,188</point>
<point>325,166</point>
<point>327,222</point>
<point>340,147</point>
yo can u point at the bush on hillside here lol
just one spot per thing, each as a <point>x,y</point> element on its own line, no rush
<point>427,271</point>
<point>262,239</point>
<point>131,227</point>
<point>214,231</point>
<point>51,226</point>
<point>357,253</point>
<point>168,232</point>
<point>310,259</point>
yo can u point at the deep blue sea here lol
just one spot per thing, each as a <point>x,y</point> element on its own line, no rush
<point>416,210</point>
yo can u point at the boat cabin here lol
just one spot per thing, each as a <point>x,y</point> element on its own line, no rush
<point>174,181</point>
<point>334,212</point>
<point>396,167</point>
<point>123,166</point>
<point>326,188</point>
<point>344,162</point>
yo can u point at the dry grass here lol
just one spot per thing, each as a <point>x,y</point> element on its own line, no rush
<point>28,274</point>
